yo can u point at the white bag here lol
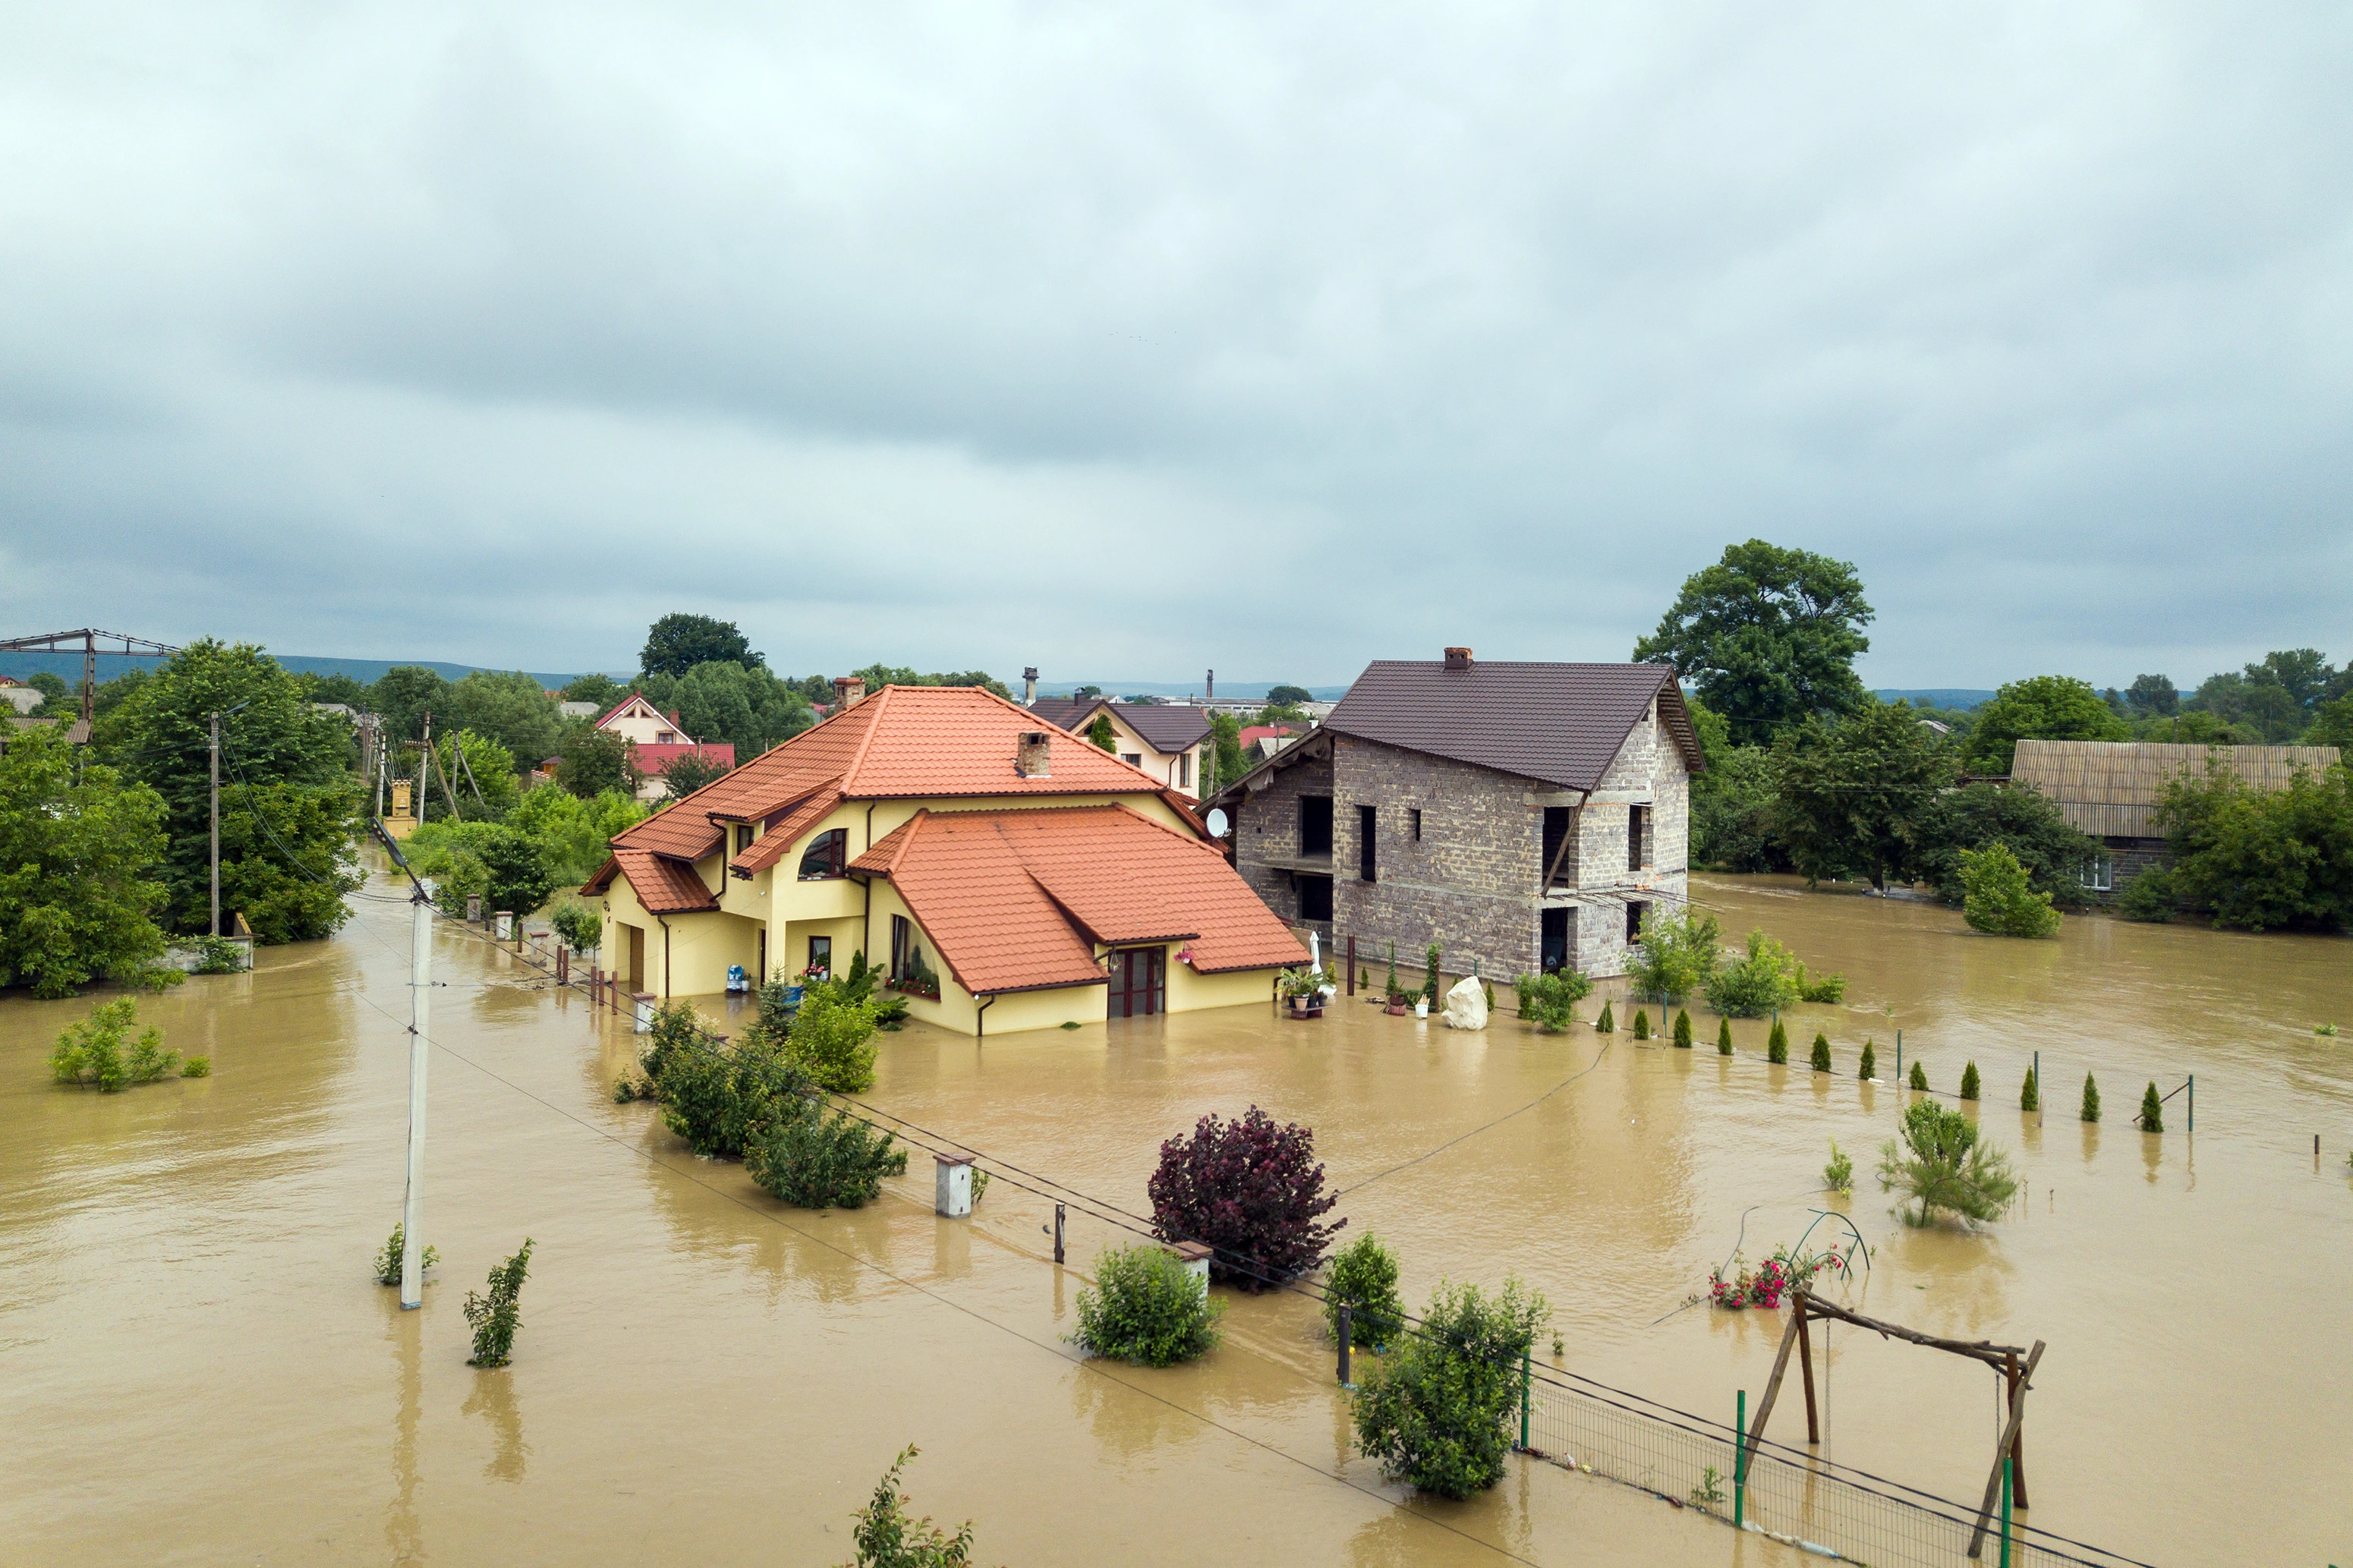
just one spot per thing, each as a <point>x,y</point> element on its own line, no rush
<point>1466,1004</point>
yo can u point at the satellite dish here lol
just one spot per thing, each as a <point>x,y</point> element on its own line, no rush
<point>1218,823</point>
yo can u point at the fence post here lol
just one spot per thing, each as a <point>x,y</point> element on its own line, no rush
<point>2005,1510</point>
<point>2193,1102</point>
<point>1058,1233</point>
<point>1352,981</point>
<point>1524,1399</point>
<point>1740,1454</point>
<point>1347,1339</point>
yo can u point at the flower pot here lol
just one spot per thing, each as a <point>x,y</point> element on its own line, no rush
<point>1396,1009</point>
<point>1306,1008</point>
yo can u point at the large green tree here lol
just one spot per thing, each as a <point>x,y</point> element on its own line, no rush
<point>270,737</point>
<point>79,864</point>
<point>590,763</point>
<point>2025,821</point>
<point>510,708</point>
<point>1767,637</point>
<point>284,861</point>
<point>403,695</point>
<point>2153,696</point>
<point>877,676</point>
<point>602,690</point>
<point>2042,708</point>
<point>2260,860</point>
<point>1855,793</point>
<point>744,706</point>
<point>677,643</point>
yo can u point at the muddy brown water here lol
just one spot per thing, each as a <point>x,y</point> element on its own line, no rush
<point>198,1369</point>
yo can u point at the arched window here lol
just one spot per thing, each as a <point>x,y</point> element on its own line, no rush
<point>827,856</point>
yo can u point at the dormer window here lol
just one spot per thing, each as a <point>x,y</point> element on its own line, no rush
<point>743,837</point>
<point>827,855</point>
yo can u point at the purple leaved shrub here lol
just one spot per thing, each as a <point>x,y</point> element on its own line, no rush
<point>1249,1189</point>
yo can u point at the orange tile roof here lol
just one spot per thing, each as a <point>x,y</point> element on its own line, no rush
<point>783,829</point>
<point>663,886</point>
<point>1017,900</point>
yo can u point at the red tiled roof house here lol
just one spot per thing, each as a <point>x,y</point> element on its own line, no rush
<point>657,740</point>
<point>1002,873</point>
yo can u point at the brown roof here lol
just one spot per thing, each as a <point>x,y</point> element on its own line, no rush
<point>1017,900</point>
<point>1557,724</point>
<point>2111,788</point>
<point>1167,727</point>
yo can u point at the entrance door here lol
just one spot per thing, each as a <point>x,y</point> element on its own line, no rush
<point>1139,981</point>
<point>1552,944</point>
<point>636,959</point>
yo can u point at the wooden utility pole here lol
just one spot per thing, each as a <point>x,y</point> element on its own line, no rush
<point>215,852</point>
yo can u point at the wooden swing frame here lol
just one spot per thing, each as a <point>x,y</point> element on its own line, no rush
<point>2004,1359</point>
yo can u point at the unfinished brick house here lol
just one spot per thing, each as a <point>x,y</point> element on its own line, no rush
<point>1523,816</point>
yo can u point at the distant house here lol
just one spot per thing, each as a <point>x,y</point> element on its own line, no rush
<point>24,698</point>
<point>77,734</point>
<point>1001,874</point>
<point>1167,740</point>
<point>2110,790</point>
<point>657,740</point>
<point>1523,816</point>
<point>1260,741</point>
<point>576,710</point>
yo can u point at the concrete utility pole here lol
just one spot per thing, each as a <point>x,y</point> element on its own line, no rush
<point>216,930</point>
<point>412,1217</point>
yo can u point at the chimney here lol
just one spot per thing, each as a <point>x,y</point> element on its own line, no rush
<point>1029,686</point>
<point>847,690</point>
<point>1458,658</point>
<point>1033,756</point>
<point>1212,688</point>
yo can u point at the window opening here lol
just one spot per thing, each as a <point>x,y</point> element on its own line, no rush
<point>1634,913</point>
<point>1316,825</point>
<point>827,855</point>
<point>1314,898</point>
<point>820,959</point>
<point>743,837</point>
<point>1637,832</point>
<point>1367,822</point>
<point>1413,816</point>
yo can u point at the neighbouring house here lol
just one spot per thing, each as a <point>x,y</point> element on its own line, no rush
<point>1260,741</point>
<point>576,710</point>
<point>2110,790</point>
<point>77,732</point>
<point>1523,816</point>
<point>24,698</point>
<point>1167,740</point>
<point>1002,873</point>
<point>657,740</point>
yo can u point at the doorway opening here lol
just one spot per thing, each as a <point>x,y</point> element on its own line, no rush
<point>1139,981</point>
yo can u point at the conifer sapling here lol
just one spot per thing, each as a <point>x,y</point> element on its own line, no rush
<point>1724,1037</point>
<point>1868,1071</point>
<point>1683,1030</point>
<point>2030,1096</point>
<point>1970,1084</point>
<point>1822,1060</point>
<point>1777,1044</point>
<point>1919,1075</point>
<point>1608,1023</point>
<point>2152,1111</point>
<point>2091,1099</point>
<point>1642,1025</point>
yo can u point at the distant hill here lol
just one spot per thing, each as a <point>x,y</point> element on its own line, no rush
<point>364,670</point>
<point>1940,697</point>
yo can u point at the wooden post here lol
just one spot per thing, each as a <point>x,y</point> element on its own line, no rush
<point>1805,1367</point>
<point>563,965</point>
<point>2001,1449</point>
<point>1351,984</point>
<point>1058,1233</point>
<point>1347,1338</point>
<point>2017,1445</point>
<point>1772,1389</point>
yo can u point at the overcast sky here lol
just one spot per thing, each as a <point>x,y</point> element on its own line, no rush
<point>1129,341</point>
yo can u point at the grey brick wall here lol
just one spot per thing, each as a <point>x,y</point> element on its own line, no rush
<point>1267,824</point>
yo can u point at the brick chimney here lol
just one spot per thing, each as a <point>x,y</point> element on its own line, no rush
<point>847,690</point>
<point>1029,686</point>
<point>1033,756</point>
<point>1458,658</point>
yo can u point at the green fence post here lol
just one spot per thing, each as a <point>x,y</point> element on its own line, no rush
<point>2193,1102</point>
<point>2005,1510</point>
<point>1524,1399</point>
<point>1739,1459</point>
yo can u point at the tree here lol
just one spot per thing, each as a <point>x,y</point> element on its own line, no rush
<point>1767,636</point>
<point>1438,1412</point>
<point>403,695</point>
<point>590,763</point>
<point>683,775</point>
<point>495,1317</point>
<point>605,692</point>
<point>519,877</point>
<point>1941,1164</point>
<point>2304,673</point>
<point>1290,696</point>
<point>877,676</point>
<point>832,1039</point>
<point>2264,707</point>
<point>743,705</point>
<point>2025,821</point>
<point>2260,860</point>
<point>2332,725</point>
<point>1146,1309</point>
<point>1997,897</point>
<point>2042,707</point>
<point>814,1157</point>
<point>1855,794</point>
<point>512,708</point>
<point>1249,1189</point>
<point>93,1051</point>
<point>677,643</point>
<point>1733,820</point>
<point>1764,980</point>
<point>1363,1278</point>
<point>1101,735</point>
<point>58,701</point>
<point>335,687</point>
<point>574,835</point>
<point>80,863</point>
<point>286,858</point>
<point>2153,696</point>
<point>270,737</point>
<point>2152,1111</point>
<point>1677,956</point>
<point>1226,744</point>
<point>480,769</point>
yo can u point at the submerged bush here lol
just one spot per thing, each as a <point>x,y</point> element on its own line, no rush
<point>218,955</point>
<point>1870,1067</point>
<point>1364,1277</point>
<point>1919,1077</point>
<point>1642,1025</point>
<point>1776,1043</point>
<point>1999,897</point>
<point>1765,979</point>
<point>1724,1037</point>
<point>886,1537</point>
<point>2030,1095</point>
<point>1941,1164</point>
<point>716,1096</point>
<point>1549,1001</point>
<point>2152,896</point>
<point>1608,1023</point>
<point>1822,1054</point>
<point>1829,988</point>
<point>579,924</point>
<point>497,1316</point>
<point>1677,954</point>
<point>832,1039</point>
<point>196,1067</point>
<point>1251,1189</point>
<point>1839,1175</point>
<point>2152,1111</point>
<point>1439,1413</point>
<point>1146,1308</point>
<point>1970,1081</point>
<point>387,1262</point>
<point>2091,1099</point>
<point>1683,1030</point>
<point>92,1052</point>
<point>814,1157</point>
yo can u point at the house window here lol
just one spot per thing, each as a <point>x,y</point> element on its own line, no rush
<point>665,738</point>
<point>1638,838</point>
<point>1314,898</point>
<point>2100,876</point>
<point>1183,770</point>
<point>903,946</point>
<point>743,837</point>
<point>1558,855</point>
<point>1367,820</point>
<point>1413,816</point>
<point>827,855</point>
<point>820,963</point>
<point>1132,759</point>
<point>1634,913</point>
<point>1316,825</point>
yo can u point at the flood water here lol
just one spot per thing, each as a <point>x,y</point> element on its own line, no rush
<point>199,1369</point>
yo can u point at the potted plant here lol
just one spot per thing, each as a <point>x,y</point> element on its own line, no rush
<point>1302,991</point>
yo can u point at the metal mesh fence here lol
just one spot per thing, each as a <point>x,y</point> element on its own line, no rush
<point>1807,1503</point>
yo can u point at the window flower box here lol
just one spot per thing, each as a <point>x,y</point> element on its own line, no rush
<point>926,985</point>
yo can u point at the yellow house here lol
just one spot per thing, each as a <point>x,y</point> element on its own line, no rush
<point>1167,740</point>
<point>1002,874</point>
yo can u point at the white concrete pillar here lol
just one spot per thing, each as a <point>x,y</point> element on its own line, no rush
<point>644,1008</point>
<point>1195,1257</point>
<point>505,924</point>
<point>952,1185</point>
